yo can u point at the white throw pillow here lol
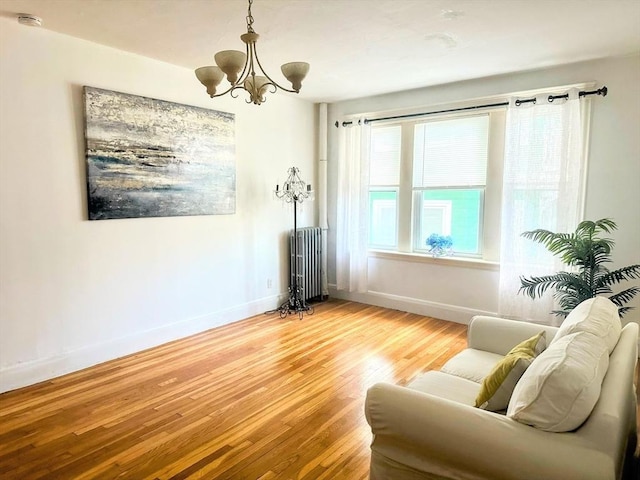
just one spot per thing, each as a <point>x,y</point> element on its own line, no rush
<point>559,390</point>
<point>599,316</point>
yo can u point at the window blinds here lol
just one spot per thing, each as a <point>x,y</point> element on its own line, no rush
<point>451,153</point>
<point>384,167</point>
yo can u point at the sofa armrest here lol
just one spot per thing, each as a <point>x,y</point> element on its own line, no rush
<point>437,436</point>
<point>499,335</point>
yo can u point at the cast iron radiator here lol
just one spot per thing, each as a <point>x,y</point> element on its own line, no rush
<point>309,261</point>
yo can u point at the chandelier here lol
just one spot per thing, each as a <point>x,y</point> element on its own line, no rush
<point>294,189</point>
<point>240,68</point>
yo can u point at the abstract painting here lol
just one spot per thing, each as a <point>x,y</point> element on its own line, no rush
<point>152,158</point>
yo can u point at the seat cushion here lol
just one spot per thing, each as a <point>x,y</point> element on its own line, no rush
<point>598,316</point>
<point>471,364</point>
<point>562,385</point>
<point>447,386</point>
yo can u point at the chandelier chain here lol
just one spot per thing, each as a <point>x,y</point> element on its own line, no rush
<point>250,19</point>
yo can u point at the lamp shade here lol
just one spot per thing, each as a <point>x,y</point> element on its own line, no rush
<point>295,73</point>
<point>231,62</point>
<point>258,90</point>
<point>210,77</point>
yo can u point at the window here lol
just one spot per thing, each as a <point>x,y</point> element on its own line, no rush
<point>429,176</point>
<point>450,165</point>
<point>384,180</point>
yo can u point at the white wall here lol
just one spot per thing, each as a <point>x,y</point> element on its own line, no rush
<point>76,292</point>
<point>453,292</point>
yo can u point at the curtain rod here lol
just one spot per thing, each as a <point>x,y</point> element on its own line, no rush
<point>601,91</point>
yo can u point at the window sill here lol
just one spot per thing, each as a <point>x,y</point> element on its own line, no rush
<point>460,262</point>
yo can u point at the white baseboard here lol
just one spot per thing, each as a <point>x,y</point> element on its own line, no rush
<point>443,311</point>
<point>29,373</point>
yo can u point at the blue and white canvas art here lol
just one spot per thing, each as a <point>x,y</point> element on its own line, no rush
<point>152,158</point>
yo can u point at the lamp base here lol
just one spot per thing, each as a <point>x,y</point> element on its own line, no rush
<point>295,304</point>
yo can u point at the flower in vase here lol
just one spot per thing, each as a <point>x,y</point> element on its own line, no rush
<point>439,245</point>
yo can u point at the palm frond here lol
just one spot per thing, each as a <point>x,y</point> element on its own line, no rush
<point>623,310</point>
<point>606,225</point>
<point>585,252</point>
<point>614,277</point>
<point>602,290</point>
<point>572,282</point>
<point>600,254</point>
<point>625,296</point>
<point>568,300</point>
<point>536,286</point>
<point>588,228</point>
<point>556,243</point>
<point>540,235</point>
<point>596,271</point>
<point>563,281</point>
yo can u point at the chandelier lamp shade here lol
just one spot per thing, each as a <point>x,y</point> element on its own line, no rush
<point>244,71</point>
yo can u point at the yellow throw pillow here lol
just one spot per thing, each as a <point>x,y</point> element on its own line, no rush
<point>498,385</point>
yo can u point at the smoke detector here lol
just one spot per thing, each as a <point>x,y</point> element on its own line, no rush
<point>29,20</point>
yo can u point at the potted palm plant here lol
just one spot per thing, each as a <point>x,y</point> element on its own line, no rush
<point>586,253</point>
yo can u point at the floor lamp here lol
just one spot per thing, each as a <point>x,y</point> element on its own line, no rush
<point>294,191</point>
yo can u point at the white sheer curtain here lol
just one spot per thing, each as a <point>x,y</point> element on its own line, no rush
<point>352,218</point>
<point>542,188</point>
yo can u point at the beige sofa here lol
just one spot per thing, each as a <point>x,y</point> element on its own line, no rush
<point>432,430</point>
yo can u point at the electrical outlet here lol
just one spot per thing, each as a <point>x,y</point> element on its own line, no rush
<point>269,283</point>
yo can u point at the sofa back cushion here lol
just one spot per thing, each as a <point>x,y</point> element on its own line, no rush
<point>613,420</point>
<point>598,316</point>
<point>562,385</point>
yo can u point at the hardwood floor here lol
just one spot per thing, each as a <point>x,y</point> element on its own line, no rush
<point>265,398</point>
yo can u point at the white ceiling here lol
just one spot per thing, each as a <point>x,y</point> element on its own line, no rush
<point>356,47</point>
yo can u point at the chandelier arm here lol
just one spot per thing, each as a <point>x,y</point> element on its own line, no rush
<point>244,74</point>
<point>250,71</point>
<point>251,54</point>
<point>273,82</point>
<point>231,90</point>
<point>272,87</point>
